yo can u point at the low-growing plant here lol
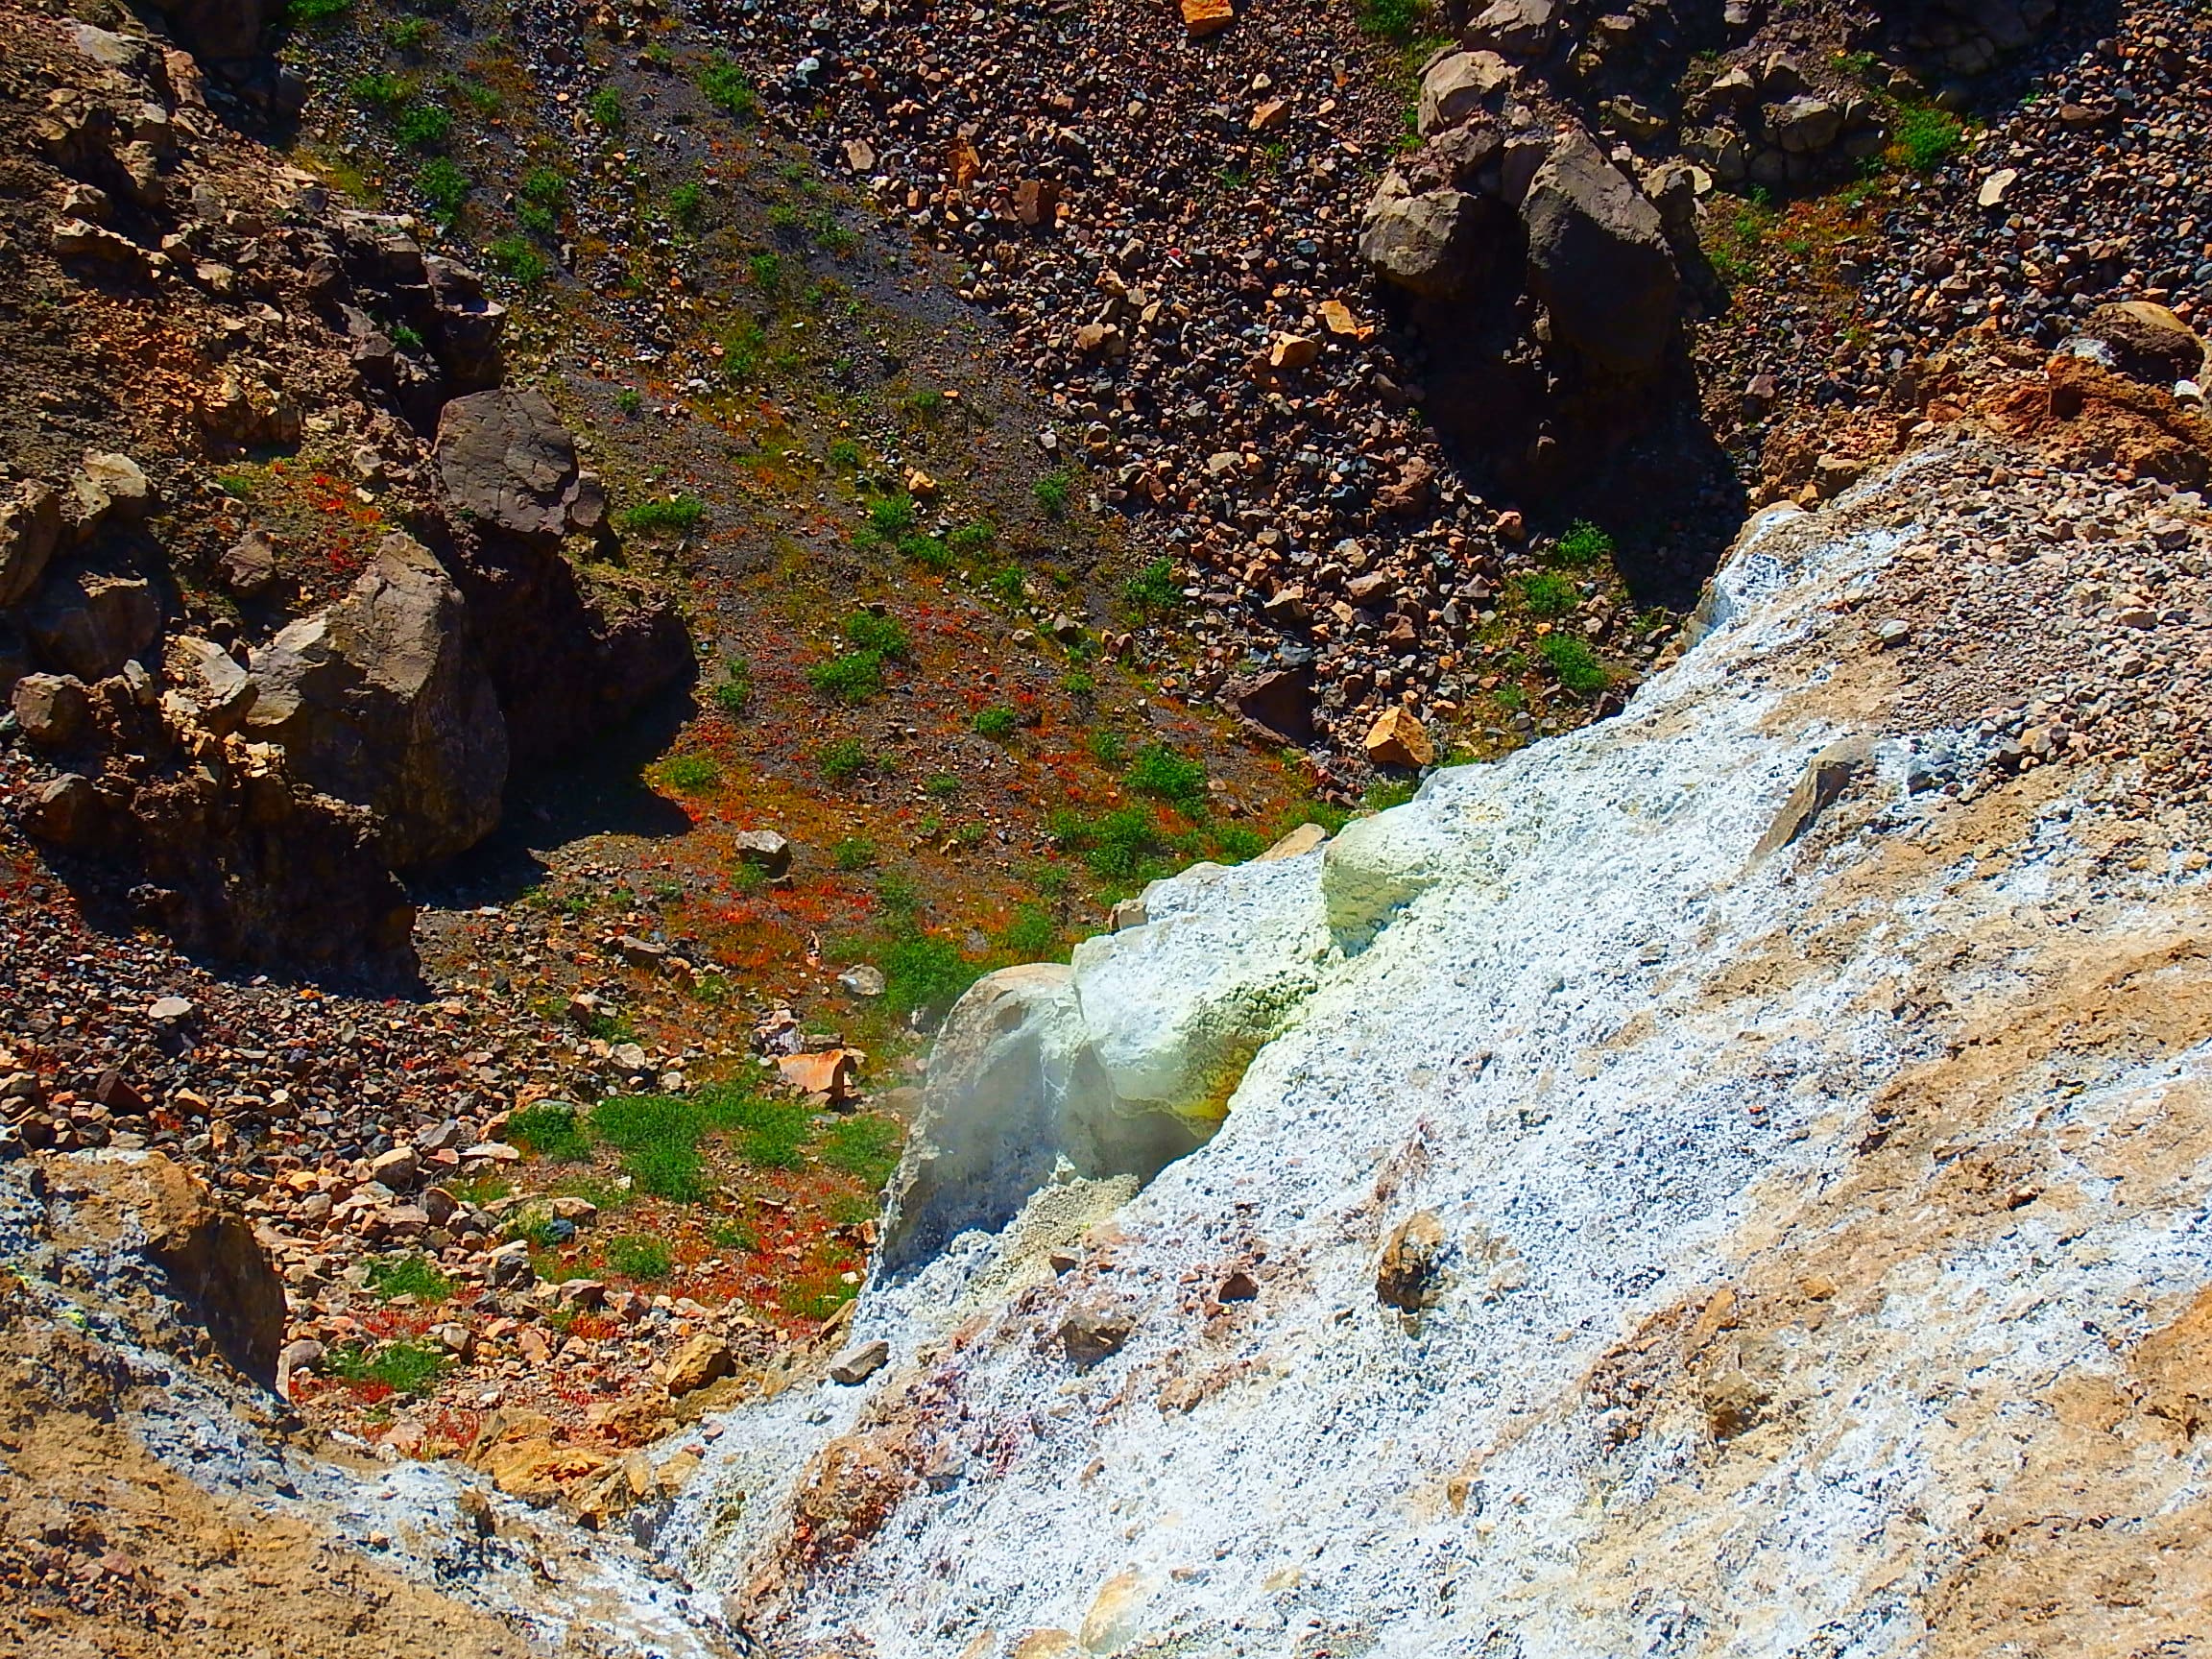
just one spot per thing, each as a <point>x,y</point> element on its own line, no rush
<point>407,33</point>
<point>850,677</point>
<point>722,83</point>
<point>844,452</point>
<point>1583,543</point>
<point>539,202</point>
<point>996,722</point>
<point>865,1147</point>
<point>853,852</point>
<point>410,1275</point>
<point>405,1367</point>
<point>1032,934</point>
<point>733,1234</point>
<point>870,632</point>
<point>1108,747</point>
<point>314,13</point>
<point>1236,842</point>
<point>549,1129</point>
<point>973,538</point>
<point>1545,593</point>
<point>1398,20</point>
<point>630,401</point>
<point>1575,664</point>
<point>1053,492</point>
<point>1924,138</point>
<point>443,185</point>
<point>690,774</point>
<point>891,517</point>
<point>1160,772</point>
<point>928,403</point>
<point>1153,592</point>
<point>687,205</point>
<point>423,125</point>
<point>1079,683</point>
<point>842,759</point>
<point>923,974</point>
<point>637,1256</point>
<point>681,513</point>
<point>605,107</point>
<point>942,787</point>
<point>514,258</point>
<point>735,690</point>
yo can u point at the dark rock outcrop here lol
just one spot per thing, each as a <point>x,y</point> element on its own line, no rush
<point>383,701</point>
<point>1599,259</point>
<point>218,29</point>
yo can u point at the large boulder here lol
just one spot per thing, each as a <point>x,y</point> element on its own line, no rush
<point>29,530</point>
<point>1599,259</point>
<point>218,29</point>
<point>1424,243</point>
<point>509,465</point>
<point>1456,85</point>
<point>2141,340</point>
<point>383,701</point>
<point>89,624</point>
<point>1518,28</point>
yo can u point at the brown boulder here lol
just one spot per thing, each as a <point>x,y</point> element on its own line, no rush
<point>2143,341</point>
<point>510,464</point>
<point>89,624</point>
<point>1600,261</point>
<point>29,530</point>
<point>383,701</point>
<point>1397,739</point>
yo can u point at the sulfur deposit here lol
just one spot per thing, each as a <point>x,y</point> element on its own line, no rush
<point>1727,1181</point>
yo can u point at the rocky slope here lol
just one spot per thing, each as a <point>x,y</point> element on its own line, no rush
<point>160,1500</point>
<point>1724,1181</point>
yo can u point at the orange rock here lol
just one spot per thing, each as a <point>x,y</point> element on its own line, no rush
<point>1339,318</point>
<point>1292,351</point>
<point>1204,17</point>
<point>1397,739</point>
<point>829,1072</point>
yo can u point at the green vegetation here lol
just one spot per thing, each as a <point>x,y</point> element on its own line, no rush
<point>1054,491</point>
<point>842,759</point>
<point>1583,543</point>
<point>1123,846</point>
<point>681,513</point>
<point>1574,663</point>
<point>407,33</point>
<point>735,690</point>
<point>853,677</point>
<point>539,202</point>
<point>630,401</point>
<point>1109,748</point>
<point>412,1274</point>
<point>996,722</point>
<point>891,518</point>
<point>636,1255</point>
<point>1398,20</point>
<point>687,205</point>
<point>690,774</point>
<point>870,632</point>
<point>1153,590</point>
<point>606,110</point>
<point>928,403</point>
<point>1079,683</point>
<point>974,539</point>
<point>403,1367</point>
<point>723,83</point>
<point>513,257</point>
<point>864,1148</point>
<point>1546,594</point>
<point>853,852</point>
<point>1925,137</point>
<point>1160,772</point>
<point>445,186</point>
<point>1033,935</point>
<point>378,91</point>
<point>424,126</point>
<point>550,1130</point>
<point>844,453</point>
<point>923,974</point>
<point>314,13</point>
<point>731,1233</point>
<point>1236,842</point>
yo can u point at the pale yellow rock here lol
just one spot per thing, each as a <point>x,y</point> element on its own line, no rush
<point>1397,739</point>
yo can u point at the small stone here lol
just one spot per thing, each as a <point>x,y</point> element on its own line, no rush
<point>762,848</point>
<point>703,1360</point>
<point>1090,1333</point>
<point>1398,739</point>
<point>856,1364</point>
<point>1890,635</point>
<point>863,980</point>
<point>172,1010</point>
<point>1204,17</point>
